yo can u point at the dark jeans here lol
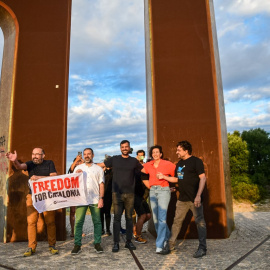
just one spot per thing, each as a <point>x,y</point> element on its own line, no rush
<point>106,210</point>
<point>124,201</point>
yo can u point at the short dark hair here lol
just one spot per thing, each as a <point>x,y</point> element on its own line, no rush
<point>125,141</point>
<point>154,147</point>
<point>88,148</point>
<point>42,150</point>
<point>140,151</point>
<point>186,146</point>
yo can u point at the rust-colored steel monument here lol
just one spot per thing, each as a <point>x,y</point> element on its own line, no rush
<point>184,97</point>
<point>33,100</point>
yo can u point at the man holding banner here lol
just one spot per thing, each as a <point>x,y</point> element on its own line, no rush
<point>37,168</point>
<point>94,195</point>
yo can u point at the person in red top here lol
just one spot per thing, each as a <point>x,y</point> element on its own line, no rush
<point>160,195</point>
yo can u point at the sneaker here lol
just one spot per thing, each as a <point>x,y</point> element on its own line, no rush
<point>199,253</point>
<point>166,245</point>
<point>140,240</point>
<point>115,247</point>
<point>130,245</point>
<point>53,250</point>
<point>29,252</point>
<point>98,248</point>
<point>134,232</point>
<point>76,250</point>
<point>108,233</point>
<point>163,251</point>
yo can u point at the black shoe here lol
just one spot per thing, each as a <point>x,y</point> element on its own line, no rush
<point>98,248</point>
<point>108,233</point>
<point>130,245</point>
<point>102,232</point>
<point>76,250</point>
<point>164,251</point>
<point>199,253</point>
<point>115,247</point>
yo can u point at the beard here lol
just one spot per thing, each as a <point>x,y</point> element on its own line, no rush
<point>88,160</point>
<point>37,161</point>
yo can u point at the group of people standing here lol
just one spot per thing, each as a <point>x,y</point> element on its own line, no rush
<point>129,176</point>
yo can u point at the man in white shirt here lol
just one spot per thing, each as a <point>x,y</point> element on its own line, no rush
<point>95,193</point>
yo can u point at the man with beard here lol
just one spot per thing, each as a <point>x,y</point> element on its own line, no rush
<point>95,195</point>
<point>123,184</point>
<point>37,168</point>
<point>190,176</point>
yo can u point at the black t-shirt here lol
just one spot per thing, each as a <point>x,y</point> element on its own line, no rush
<point>124,170</point>
<point>108,181</point>
<point>44,169</point>
<point>187,171</point>
<point>139,185</point>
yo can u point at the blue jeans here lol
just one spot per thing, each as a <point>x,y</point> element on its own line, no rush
<point>159,199</point>
<point>121,202</point>
<point>80,217</point>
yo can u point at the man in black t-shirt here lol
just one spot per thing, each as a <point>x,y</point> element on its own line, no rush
<point>123,184</point>
<point>37,168</point>
<point>190,176</point>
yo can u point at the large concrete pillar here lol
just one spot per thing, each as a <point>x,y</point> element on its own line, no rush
<point>185,99</point>
<point>33,100</point>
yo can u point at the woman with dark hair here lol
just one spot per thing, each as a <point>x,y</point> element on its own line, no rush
<point>160,195</point>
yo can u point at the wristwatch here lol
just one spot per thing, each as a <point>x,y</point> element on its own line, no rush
<point>101,198</point>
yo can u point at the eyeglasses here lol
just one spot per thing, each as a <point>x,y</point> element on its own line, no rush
<point>36,154</point>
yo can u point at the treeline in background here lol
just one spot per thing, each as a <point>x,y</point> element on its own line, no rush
<point>249,153</point>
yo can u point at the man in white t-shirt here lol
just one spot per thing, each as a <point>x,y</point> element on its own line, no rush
<point>95,193</point>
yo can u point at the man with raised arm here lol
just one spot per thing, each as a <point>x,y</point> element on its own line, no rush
<point>37,168</point>
<point>190,176</point>
<point>95,195</point>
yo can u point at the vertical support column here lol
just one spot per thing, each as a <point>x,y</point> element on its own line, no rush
<point>184,88</point>
<point>10,28</point>
<point>38,115</point>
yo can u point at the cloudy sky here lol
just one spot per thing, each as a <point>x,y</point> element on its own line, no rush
<point>107,100</point>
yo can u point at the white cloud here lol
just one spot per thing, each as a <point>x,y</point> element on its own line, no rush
<point>102,124</point>
<point>247,94</point>
<point>248,7</point>
<point>75,77</point>
<point>246,122</point>
<point>106,34</point>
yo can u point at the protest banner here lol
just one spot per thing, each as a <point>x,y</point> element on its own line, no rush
<point>61,191</point>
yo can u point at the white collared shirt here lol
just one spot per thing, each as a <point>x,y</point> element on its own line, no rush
<point>94,176</point>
